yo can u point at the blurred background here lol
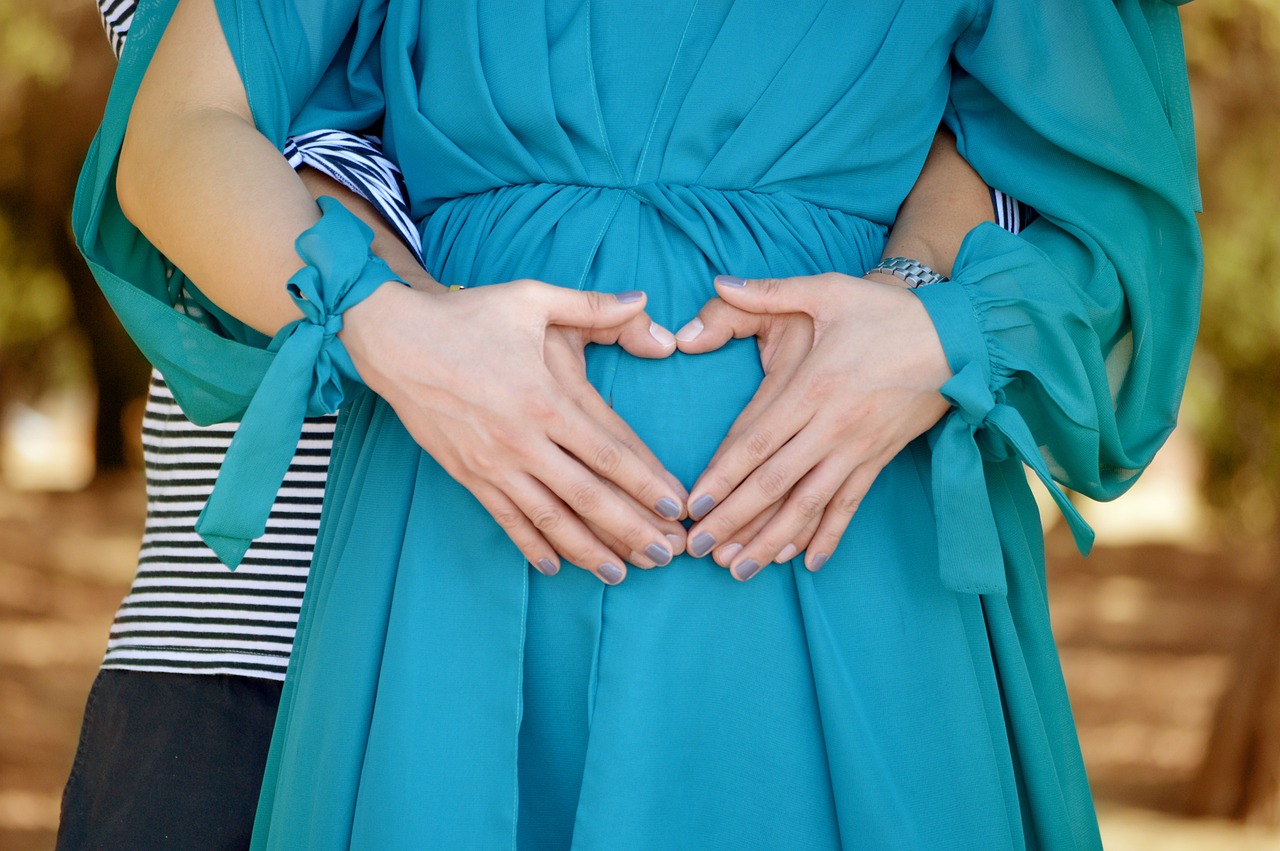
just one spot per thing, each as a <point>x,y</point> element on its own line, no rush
<point>1170,632</point>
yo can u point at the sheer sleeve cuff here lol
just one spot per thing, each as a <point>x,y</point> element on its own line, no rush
<point>306,378</point>
<point>980,427</point>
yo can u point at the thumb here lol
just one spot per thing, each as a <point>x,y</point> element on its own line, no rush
<point>588,308</point>
<point>770,295</point>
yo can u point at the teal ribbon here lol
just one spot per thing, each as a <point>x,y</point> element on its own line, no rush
<point>306,377</point>
<point>970,558</point>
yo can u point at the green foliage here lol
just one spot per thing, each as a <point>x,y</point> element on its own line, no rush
<point>1233,49</point>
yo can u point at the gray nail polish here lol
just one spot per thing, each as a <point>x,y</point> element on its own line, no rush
<point>700,506</point>
<point>547,567</point>
<point>629,296</point>
<point>668,508</point>
<point>658,554</point>
<point>610,573</point>
<point>747,569</point>
<point>701,544</point>
<point>816,563</point>
<point>731,281</point>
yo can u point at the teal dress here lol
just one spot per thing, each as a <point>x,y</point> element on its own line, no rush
<point>443,695</point>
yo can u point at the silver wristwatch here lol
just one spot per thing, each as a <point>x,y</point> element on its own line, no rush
<point>915,273</point>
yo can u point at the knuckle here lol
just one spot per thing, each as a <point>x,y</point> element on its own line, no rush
<point>847,504</point>
<point>606,459</point>
<point>546,518</point>
<point>585,497</point>
<point>772,483</point>
<point>509,520</point>
<point>481,465</point>
<point>820,387</point>
<point>759,445</point>
<point>810,506</point>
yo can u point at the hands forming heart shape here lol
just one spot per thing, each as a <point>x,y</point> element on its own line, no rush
<point>852,370</point>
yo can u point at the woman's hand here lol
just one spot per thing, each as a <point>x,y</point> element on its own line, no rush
<point>852,371</point>
<point>469,374</point>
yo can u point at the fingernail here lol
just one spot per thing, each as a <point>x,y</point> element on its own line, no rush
<point>668,508</point>
<point>660,555</point>
<point>731,281</point>
<point>786,554</point>
<point>662,335</point>
<point>629,296</point>
<point>747,569</point>
<point>610,573</point>
<point>690,331</point>
<point>700,506</point>
<point>816,563</point>
<point>701,544</point>
<point>547,567</point>
<point>676,541</point>
<point>726,554</point>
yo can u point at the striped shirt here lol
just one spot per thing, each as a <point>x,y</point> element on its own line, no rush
<point>186,613</point>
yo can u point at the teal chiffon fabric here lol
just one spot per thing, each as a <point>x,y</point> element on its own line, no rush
<point>443,695</point>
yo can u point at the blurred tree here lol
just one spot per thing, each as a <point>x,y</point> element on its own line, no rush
<point>1233,48</point>
<point>55,68</point>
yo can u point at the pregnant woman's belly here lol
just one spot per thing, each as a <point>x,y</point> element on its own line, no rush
<point>670,242</point>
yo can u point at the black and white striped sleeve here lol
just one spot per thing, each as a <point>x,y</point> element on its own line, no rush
<point>1012,214</point>
<point>116,16</point>
<point>358,163</point>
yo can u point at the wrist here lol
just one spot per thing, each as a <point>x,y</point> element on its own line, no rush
<point>909,270</point>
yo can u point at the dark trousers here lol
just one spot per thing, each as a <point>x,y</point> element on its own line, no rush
<point>168,761</point>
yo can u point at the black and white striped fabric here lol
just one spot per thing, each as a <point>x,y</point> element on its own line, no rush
<point>1011,214</point>
<point>357,163</point>
<point>186,613</point>
<point>117,15</point>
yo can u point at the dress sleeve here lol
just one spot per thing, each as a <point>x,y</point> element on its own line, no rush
<point>1070,342</point>
<point>305,66</point>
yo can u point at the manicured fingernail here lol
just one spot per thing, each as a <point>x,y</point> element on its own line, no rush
<point>662,335</point>
<point>786,554</point>
<point>668,508</point>
<point>747,569</point>
<point>660,555</point>
<point>629,296</point>
<point>610,573</point>
<point>816,563</point>
<point>726,554</point>
<point>690,331</point>
<point>701,544</point>
<point>676,541</point>
<point>731,281</point>
<point>700,506</point>
<point>547,567</point>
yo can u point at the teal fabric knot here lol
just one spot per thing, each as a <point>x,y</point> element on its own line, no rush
<point>970,557</point>
<point>306,378</point>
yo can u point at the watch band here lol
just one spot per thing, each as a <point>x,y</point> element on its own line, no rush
<point>915,273</point>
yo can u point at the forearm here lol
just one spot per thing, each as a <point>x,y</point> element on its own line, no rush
<point>948,200</point>
<point>207,189</point>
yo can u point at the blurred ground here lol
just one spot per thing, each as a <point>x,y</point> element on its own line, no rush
<point>1145,630</point>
